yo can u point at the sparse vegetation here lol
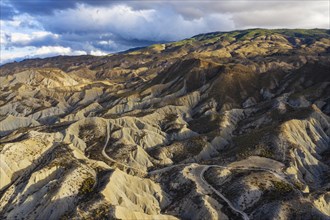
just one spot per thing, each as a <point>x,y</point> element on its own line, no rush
<point>205,124</point>
<point>87,186</point>
<point>100,213</point>
<point>282,187</point>
<point>290,113</point>
<point>298,185</point>
<point>254,143</point>
<point>66,216</point>
<point>181,150</point>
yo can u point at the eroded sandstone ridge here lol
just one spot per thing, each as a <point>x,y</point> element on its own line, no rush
<point>219,126</point>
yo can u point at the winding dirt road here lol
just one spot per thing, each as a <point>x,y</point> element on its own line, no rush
<point>243,214</point>
<point>198,174</point>
<point>112,160</point>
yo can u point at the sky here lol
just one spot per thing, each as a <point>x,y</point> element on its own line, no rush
<point>43,28</point>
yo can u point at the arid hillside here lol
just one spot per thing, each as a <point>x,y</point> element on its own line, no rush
<point>225,125</point>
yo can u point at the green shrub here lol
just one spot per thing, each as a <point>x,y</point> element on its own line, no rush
<point>101,212</point>
<point>282,187</point>
<point>87,186</point>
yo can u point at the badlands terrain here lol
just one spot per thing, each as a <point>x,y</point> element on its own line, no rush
<point>226,125</point>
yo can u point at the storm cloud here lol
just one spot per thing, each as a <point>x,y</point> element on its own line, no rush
<point>41,28</point>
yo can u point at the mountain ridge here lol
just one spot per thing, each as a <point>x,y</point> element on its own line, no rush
<point>285,31</point>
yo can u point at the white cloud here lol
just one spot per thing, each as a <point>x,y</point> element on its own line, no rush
<point>19,37</point>
<point>3,39</point>
<point>97,53</point>
<point>24,30</point>
<point>20,53</point>
<point>7,56</point>
<point>295,14</point>
<point>26,39</point>
<point>106,42</point>
<point>262,14</point>
<point>53,50</point>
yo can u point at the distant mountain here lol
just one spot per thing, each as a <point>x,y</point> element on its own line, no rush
<point>225,125</point>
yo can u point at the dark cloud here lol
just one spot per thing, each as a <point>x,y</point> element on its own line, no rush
<point>36,7</point>
<point>44,7</point>
<point>124,22</point>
